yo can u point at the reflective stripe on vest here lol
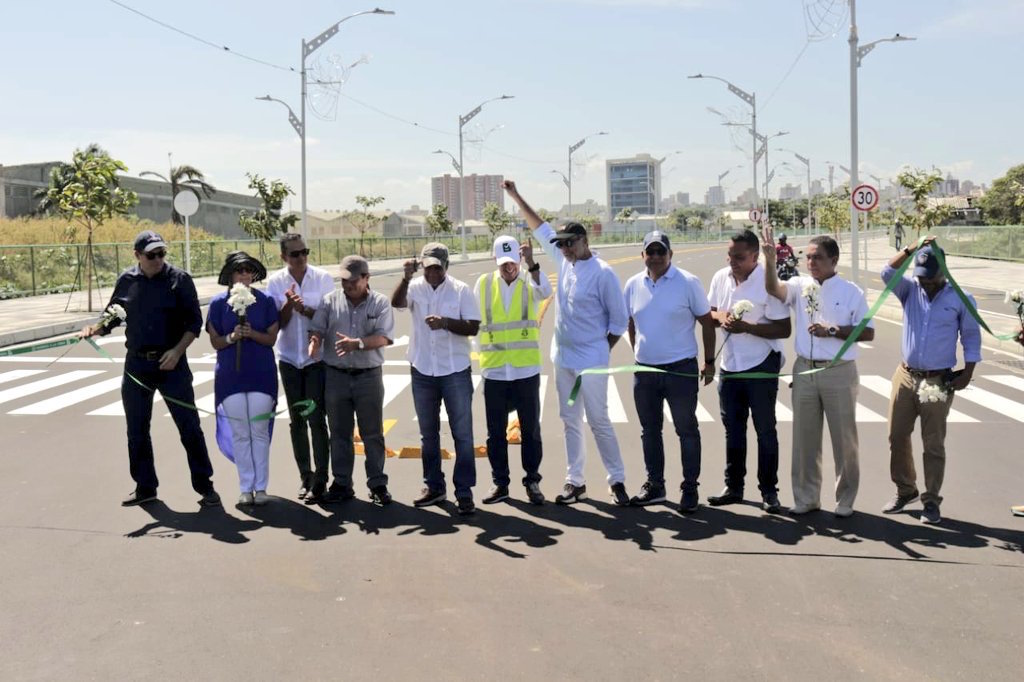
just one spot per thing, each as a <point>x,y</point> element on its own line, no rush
<point>512,337</point>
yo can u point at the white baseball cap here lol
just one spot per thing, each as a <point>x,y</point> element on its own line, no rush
<point>506,250</point>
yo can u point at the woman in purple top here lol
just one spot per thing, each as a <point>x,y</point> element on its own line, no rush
<point>245,386</point>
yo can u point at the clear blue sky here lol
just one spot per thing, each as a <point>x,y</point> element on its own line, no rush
<point>83,71</point>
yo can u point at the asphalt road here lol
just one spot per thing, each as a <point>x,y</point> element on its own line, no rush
<point>91,590</point>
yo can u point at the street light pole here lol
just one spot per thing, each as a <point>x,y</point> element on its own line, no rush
<point>463,120</point>
<point>572,148</point>
<point>751,99</point>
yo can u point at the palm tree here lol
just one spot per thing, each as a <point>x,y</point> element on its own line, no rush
<point>60,176</point>
<point>182,178</point>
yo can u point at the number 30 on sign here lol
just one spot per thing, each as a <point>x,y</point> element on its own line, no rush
<point>864,197</point>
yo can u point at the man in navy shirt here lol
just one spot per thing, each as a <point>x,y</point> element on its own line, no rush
<point>163,319</point>
<point>934,317</point>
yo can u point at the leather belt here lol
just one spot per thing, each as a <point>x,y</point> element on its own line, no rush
<point>815,364</point>
<point>353,371</point>
<point>926,373</point>
<point>151,355</point>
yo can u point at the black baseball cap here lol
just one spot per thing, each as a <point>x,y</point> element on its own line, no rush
<point>569,231</point>
<point>656,237</point>
<point>147,241</point>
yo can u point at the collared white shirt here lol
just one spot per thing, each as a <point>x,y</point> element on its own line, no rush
<point>841,303</point>
<point>508,372</point>
<point>590,307</point>
<point>743,351</point>
<point>293,339</point>
<point>664,314</point>
<point>438,352</point>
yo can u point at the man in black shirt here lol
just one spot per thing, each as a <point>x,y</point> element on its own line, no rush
<point>163,318</point>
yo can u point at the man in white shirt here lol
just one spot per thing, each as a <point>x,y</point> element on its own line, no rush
<point>444,315</point>
<point>591,319</point>
<point>298,288</point>
<point>752,343</point>
<point>664,304</point>
<point>510,361</point>
<point>827,308</point>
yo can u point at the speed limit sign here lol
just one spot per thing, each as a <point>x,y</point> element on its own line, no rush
<point>864,197</point>
<point>754,215</point>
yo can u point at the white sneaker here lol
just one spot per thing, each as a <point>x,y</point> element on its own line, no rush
<point>245,499</point>
<point>798,509</point>
<point>261,498</point>
<point>842,511</point>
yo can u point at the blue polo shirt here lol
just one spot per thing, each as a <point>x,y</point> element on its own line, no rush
<point>664,314</point>
<point>159,309</point>
<point>931,327</point>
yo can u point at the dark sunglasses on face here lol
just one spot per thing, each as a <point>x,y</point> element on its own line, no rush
<point>656,251</point>
<point>300,252</point>
<point>566,243</point>
<point>153,255</point>
<point>245,270</point>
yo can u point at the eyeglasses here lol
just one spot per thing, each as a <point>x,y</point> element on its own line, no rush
<point>567,243</point>
<point>245,270</point>
<point>656,251</point>
<point>297,254</point>
<point>153,255</point>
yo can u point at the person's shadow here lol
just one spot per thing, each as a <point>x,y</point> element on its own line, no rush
<point>302,520</point>
<point>212,521</point>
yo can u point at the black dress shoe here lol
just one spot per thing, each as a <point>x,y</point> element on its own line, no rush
<point>380,496</point>
<point>338,495</point>
<point>210,499</point>
<point>138,496</point>
<point>728,496</point>
<point>466,506</point>
<point>496,494</point>
<point>770,503</point>
<point>428,497</point>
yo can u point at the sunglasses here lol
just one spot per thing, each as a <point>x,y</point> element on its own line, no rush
<point>245,270</point>
<point>656,251</point>
<point>153,255</point>
<point>567,243</point>
<point>297,254</point>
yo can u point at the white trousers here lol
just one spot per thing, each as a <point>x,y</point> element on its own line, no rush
<point>250,441</point>
<point>593,398</point>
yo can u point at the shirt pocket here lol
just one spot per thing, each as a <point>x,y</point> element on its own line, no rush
<point>450,309</point>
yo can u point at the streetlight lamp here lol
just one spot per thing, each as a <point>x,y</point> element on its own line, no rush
<point>568,178</point>
<point>463,120</point>
<point>857,53</point>
<point>751,99</point>
<point>299,122</point>
<point>458,169</point>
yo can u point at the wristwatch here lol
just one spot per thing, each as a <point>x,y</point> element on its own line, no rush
<point>534,268</point>
<point>362,346</point>
<point>833,330</point>
<point>908,250</point>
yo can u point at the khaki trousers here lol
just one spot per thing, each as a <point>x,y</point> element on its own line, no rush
<point>904,409</point>
<point>831,395</point>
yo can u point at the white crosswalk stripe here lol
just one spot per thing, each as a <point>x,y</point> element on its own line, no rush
<point>993,401</point>
<point>883,387</point>
<point>117,409</point>
<point>1006,380</point>
<point>51,405</point>
<point>16,392</point>
<point>15,374</point>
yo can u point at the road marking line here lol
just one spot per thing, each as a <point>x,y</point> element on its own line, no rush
<point>44,384</point>
<point>15,374</point>
<point>117,409</point>
<point>883,387</point>
<point>51,405</point>
<point>1006,380</point>
<point>993,401</point>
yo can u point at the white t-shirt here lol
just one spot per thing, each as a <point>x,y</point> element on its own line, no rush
<point>743,351</point>
<point>541,291</point>
<point>293,339</point>
<point>438,352</point>
<point>841,303</point>
<point>664,314</point>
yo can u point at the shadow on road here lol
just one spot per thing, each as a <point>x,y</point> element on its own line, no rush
<point>212,521</point>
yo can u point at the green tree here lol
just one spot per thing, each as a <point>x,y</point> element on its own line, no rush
<point>1003,204</point>
<point>267,222</point>
<point>182,178</point>
<point>587,220</point>
<point>498,220</point>
<point>547,216</point>
<point>60,177</point>
<point>920,183</point>
<point>833,213</point>
<point>438,221</point>
<point>626,216</point>
<point>363,220</point>
<point>91,195</point>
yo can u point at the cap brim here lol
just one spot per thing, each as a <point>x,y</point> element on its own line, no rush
<point>430,260</point>
<point>501,260</point>
<point>153,246</point>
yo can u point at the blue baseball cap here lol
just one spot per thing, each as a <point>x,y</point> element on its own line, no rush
<point>926,263</point>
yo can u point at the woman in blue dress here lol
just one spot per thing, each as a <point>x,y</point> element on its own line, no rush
<point>245,378</point>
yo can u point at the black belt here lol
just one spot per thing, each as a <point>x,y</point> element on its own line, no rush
<point>353,371</point>
<point>924,372</point>
<point>151,355</point>
<point>670,364</point>
<point>820,363</point>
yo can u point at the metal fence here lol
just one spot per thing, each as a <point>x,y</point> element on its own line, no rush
<point>1002,242</point>
<point>55,268</point>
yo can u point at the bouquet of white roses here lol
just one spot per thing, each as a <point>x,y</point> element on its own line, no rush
<point>239,299</point>
<point>812,301</point>
<point>113,312</point>
<point>737,311</point>
<point>931,393</point>
<point>1016,297</point>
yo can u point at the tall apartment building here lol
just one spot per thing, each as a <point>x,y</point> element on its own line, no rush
<point>715,196</point>
<point>816,188</point>
<point>480,191</point>
<point>633,183</point>
<point>789,191</point>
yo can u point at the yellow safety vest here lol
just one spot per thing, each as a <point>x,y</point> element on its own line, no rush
<point>507,337</point>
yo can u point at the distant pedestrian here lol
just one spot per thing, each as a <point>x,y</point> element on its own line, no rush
<point>752,343</point>
<point>934,318</point>
<point>664,304</point>
<point>352,325</point>
<point>591,319</point>
<point>245,377</point>
<point>298,288</point>
<point>897,234</point>
<point>510,361</point>
<point>163,319</point>
<point>444,315</point>
<point>827,309</point>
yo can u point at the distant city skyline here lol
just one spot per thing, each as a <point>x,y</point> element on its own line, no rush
<point>82,72</point>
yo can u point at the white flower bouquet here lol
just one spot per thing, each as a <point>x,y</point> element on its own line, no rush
<point>812,299</point>
<point>931,393</point>
<point>737,311</point>
<point>113,312</point>
<point>239,299</point>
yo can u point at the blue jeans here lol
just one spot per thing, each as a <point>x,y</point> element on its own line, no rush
<point>456,390</point>
<point>740,398</point>
<point>650,392</point>
<point>523,396</point>
<point>138,412</point>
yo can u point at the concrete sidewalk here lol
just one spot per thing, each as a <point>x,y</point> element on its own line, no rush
<point>23,320</point>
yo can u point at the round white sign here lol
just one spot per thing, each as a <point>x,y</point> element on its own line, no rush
<point>754,215</point>
<point>864,197</point>
<point>186,202</point>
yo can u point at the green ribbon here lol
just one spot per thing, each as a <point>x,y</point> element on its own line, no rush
<point>897,276</point>
<point>38,347</point>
